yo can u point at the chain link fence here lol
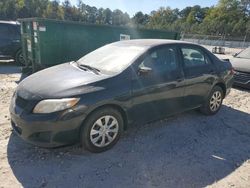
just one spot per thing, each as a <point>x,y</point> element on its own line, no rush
<point>224,41</point>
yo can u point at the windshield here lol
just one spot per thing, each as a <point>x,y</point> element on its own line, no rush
<point>112,58</point>
<point>244,54</point>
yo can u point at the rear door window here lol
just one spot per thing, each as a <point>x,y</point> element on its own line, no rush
<point>194,58</point>
<point>195,61</point>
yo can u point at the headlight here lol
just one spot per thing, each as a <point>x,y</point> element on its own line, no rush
<point>54,105</point>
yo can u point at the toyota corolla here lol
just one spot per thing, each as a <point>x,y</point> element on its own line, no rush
<point>93,100</point>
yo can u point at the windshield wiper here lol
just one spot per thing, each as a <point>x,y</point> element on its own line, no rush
<point>95,70</point>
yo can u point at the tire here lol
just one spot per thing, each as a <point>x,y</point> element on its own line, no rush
<point>214,101</point>
<point>97,134</point>
<point>19,59</point>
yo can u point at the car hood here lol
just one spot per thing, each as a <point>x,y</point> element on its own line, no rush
<point>59,81</point>
<point>241,64</point>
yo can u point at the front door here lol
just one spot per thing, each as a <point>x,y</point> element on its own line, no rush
<point>158,91</point>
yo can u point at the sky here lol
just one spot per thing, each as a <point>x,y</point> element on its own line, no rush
<point>146,6</point>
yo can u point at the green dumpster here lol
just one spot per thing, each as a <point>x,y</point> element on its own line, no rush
<point>48,42</point>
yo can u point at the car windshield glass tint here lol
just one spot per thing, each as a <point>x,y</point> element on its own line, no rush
<point>112,58</point>
<point>244,54</point>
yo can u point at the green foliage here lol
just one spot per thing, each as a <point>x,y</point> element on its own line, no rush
<point>162,19</point>
<point>227,18</point>
<point>14,9</point>
<point>140,19</point>
<point>54,11</point>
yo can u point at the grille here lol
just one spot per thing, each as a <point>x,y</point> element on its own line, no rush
<point>242,77</point>
<point>22,103</point>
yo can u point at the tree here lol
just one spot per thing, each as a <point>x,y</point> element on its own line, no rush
<point>67,9</point>
<point>54,11</point>
<point>119,18</point>
<point>100,16</point>
<point>246,6</point>
<point>140,19</point>
<point>185,12</point>
<point>163,18</point>
<point>224,19</point>
<point>228,17</point>
<point>107,14</point>
<point>91,13</point>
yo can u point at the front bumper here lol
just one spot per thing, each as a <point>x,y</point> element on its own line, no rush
<point>242,79</point>
<point>243,85</point>
<point>48,130</point>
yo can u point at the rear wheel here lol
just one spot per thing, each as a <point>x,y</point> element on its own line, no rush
<point>214,101</point>
<point>102,130</point>
<point>19,59</point>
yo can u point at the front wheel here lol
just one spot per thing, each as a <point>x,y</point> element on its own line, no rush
<point>214,101</point>
<point>102,130</point>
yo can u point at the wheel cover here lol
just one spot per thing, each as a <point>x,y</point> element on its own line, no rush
<point>215,101</point>
<point>104,131</point>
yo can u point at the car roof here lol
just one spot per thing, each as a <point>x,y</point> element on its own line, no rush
<point>9,22</point>
<point>148,43</point>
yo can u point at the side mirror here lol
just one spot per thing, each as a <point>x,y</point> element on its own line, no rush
<point>144,71</point>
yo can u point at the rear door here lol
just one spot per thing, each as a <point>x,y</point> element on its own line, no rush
<point>200,74</point>
<point>160,92</point>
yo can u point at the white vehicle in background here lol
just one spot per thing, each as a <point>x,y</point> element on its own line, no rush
<point>241,64</point>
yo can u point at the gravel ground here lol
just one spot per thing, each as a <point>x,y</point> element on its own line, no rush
<point>187,150</point>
